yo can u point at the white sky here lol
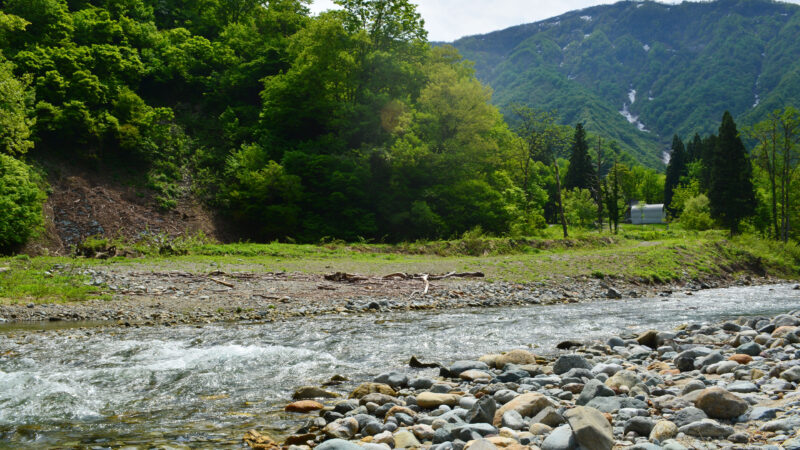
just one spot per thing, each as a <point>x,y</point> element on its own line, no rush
<point>448,20</point>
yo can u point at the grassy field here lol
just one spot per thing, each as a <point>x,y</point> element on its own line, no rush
<point>650,254</point>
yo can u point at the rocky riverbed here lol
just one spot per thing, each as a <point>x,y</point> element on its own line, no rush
<point>705,386</point>
<point>179,297</point>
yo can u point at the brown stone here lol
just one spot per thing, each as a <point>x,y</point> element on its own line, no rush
<point>475,375</point>
<point>259,441</point>
<point>741,359</point>
<point>648,339</point>
<point>299,439</point>
<point>309,392</point>
<point>303,406</point>
<point>528,405</point>
<point>718,403</point>
<point>783,331</point>
<point>518,357</point>
<point>372,388</point>
<point>430,400</point>
<point>399,409</point>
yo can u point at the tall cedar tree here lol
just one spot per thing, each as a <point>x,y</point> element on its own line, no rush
<point>581,172</point>
<point>675,170</point>
<point>731,185</point>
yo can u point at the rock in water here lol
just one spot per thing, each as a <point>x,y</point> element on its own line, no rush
<point>311,392</point>
<point>591,428</point>
<point>718,403</point>
<point>303,406</point>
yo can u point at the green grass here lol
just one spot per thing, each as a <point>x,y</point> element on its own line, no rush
<point>652,254</point>
<point>38,280</point>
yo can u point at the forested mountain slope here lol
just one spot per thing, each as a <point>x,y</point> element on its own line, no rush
<point>641,71</point>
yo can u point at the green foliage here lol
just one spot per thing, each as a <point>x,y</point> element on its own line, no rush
<point>696,214</point>
<point>580,208</point>
<point>21,201</point>
<point>15,120</point>
<point>687,62</point>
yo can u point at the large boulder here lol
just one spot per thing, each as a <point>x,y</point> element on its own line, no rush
<point>718,403</point>
<point>591,428</point>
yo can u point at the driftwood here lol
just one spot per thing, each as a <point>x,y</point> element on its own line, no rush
<point>344,277</point>
<point>218,281</point>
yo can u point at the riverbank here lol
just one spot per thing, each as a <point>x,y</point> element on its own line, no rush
<point>262,283</point>
<point>731,384</point>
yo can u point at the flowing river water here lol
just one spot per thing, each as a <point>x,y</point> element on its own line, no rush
<point>201,387</point>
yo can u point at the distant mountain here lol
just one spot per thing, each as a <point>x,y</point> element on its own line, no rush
<point>639,72</point>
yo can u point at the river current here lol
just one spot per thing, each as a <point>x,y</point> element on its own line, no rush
<point>205,386</point>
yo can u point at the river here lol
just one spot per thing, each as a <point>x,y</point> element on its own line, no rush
<point>204,386</point>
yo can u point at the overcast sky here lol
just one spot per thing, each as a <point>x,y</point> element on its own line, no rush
<point>448,20</point>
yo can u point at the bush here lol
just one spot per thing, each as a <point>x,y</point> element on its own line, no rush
<point>21,201</point>
<point>579,208</point>
<point>697,214</point>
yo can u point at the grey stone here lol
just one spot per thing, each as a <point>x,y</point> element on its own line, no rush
<point>611,404</point>
<point>742,387</point>
<point>694,385</point>
<point>548,416</point>
<point>785,424</point>
<point>463,366</point>
<point>709,359</point>
<point>444,434</point>
<point>615,342</point>
<point>338,444</point>
<point>644,446</point>
<point>420,383</point>
<point>482,444</point>
<point>639,425</point>
<point>591,428</point>
<point>763,413</point>
<point>687,416</point>
<point>513,420</point>
<point>560,439</point>
<point>592,389</point>
<point>482,411</point>
<point>672,444</point>
<point>685,360</point>
<point>707,428</point>
<point>393,379</point>
<point>792,374</point>
<point>750,348</point>
<point>465,432</point>
<point>567,362</point>
<point>504,396</point>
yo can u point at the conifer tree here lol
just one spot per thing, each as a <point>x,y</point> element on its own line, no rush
<point>676,169</point>
<point>731,185</point>
<point>581,172</point>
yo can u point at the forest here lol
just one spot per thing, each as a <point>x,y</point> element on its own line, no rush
<point>347,125</point>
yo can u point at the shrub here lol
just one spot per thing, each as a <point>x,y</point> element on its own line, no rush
<point>697,214</point>
<point>21,201</point>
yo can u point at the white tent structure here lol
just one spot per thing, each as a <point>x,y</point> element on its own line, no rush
<point>641,214</point>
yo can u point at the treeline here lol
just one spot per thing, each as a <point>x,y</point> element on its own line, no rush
<point>346,125</point>
<point>715,180</point>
